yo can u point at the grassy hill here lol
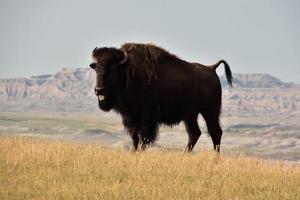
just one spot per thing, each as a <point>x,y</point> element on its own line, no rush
<point>42,169</point>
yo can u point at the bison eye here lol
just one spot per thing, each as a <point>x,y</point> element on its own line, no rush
<point>93,65</point>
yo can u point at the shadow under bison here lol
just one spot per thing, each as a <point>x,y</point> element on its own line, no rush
<point>149,86</point>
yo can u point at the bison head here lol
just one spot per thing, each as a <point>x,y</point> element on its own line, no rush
<point>108,66</point>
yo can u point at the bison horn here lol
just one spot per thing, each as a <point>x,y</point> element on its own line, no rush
<point>124,59</point>
<point>94,49</point>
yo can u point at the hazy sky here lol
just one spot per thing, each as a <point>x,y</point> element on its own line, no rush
<point>254,36</point>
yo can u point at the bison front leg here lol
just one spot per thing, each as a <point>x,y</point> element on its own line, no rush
<point>149,125</point>
<point>148,134</point>
<point>133,131</point>
<point>134,134</point>
<point>135,140</point>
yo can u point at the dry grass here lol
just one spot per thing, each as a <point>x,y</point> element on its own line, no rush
<point>40,169</point>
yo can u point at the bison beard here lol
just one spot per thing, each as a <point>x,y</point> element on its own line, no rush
<point>149,86</point>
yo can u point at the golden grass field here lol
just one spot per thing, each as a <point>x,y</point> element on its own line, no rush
<point>32,168</point>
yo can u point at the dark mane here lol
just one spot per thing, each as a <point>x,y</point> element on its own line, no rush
<point>142,60</point>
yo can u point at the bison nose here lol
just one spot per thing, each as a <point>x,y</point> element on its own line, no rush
<point>99,91</point>
<point>93,65</point>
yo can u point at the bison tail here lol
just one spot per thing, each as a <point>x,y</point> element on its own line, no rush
<point>227,70</point>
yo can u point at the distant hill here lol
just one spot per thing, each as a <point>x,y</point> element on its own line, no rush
<point>72,90</point>
<point>256,81</point>
<point>67,83</point>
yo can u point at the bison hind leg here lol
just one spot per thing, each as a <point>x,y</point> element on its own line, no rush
<point>193,130</point>
<point>214,128</point>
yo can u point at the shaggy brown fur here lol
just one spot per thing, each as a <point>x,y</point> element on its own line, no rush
<point>143,58</point>
<point>149,86</point>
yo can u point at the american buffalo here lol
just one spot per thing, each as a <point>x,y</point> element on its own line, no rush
<point>148,86</point>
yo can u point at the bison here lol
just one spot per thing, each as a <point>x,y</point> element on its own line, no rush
<point>148,86</point>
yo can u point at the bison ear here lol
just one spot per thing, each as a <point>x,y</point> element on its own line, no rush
<point>123,57</point>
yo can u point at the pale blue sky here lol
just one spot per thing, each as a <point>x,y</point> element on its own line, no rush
<point>254,36</point>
